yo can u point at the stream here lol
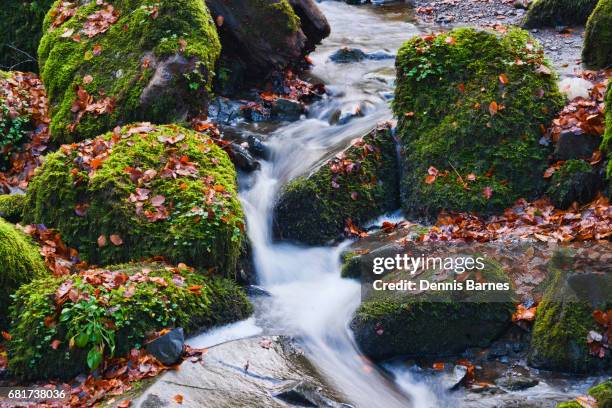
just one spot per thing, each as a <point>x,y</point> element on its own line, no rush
<point>309,299</point>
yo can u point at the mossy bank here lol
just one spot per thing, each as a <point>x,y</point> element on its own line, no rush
<point>64,326</point>
<point>471,107</point>
<point>105,64</point>
<point>597,51</point>
<point>142,191</point>
<point>358,184</point>
<point>20,262</point>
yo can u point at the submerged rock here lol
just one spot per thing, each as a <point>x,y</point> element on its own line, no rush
<point>106,64</point>
<point>257,372</point>
<point>142,191</point>
<point>597,51</point>
<point>564,317</point>
<point>469,120</point>
<point>347,55</point>
<point>553,13</point>
<point>359,184</point>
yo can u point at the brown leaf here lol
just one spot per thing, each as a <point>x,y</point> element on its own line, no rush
<point>6,336</point>
<point>503,79</point>
<point>55,344</point>
<point>493,108</point>
<point>178,398</point>
<point>487,192</point>
<point>116,240</point>
<point>102,241</point>
<point>125,403</point>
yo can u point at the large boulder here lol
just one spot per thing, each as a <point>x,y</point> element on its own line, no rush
<point>11,206</point>
<point>263,37</point>
<point>564,318</point>
<point>552,13</point>
<point>471,108</point>
<point>107,64</point>
<point>606,145</point>
<point>427,321</point>
<point>64,326</point>
<point>142,191</point>
<point>359,184</point>
<point>256,372</point>
<point>597,51</point>
<point>20,262</point>
<point>20,33</point>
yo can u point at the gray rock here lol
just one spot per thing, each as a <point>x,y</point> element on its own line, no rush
<point>257,372</point>
<point>314,23</point>
<point>575,145</point>
<point>167,348</point>
<point>513,382</point>
<point>346,55</point>
<point>258,148</point>
<point>243,159</point>
<point>287,109</point>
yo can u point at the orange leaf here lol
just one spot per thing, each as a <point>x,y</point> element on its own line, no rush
<point>116,240</point>
<point>178,398</point>
<point>503,79</point>
<point>55,344</point>
<point>438,366</point>
<point>493,108</point>
<point>6,336</point>
<point>124,404</point>
<point>102,241</point>
<point>430,179</point>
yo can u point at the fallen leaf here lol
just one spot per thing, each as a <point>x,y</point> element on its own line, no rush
<point>178,398</point>
<point>116,240</point>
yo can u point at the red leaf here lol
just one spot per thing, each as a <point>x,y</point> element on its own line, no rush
<point>487,192</point>
<point>6,336</point>
<point>55,344</point>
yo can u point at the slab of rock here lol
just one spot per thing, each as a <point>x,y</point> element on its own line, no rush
<point>254,372</point>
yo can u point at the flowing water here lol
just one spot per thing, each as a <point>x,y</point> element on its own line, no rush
<point>308,298</point>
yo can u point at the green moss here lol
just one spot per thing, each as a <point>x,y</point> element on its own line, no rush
<point>552,13</point>
<point>178,35</point>
<point>606,145</point>
<point>433,323</point>
<point>351,265</point>
<point>204,220</point>
<point>563,321</point>
<point>110,318</point>
<point>575,181</point>
<point>597,51</point>
<point>20,33</point>
<point>602,393</point>
<point>471,105</point>
<point>359,184</point>
<point>11,207</point>
<point>20,262</point>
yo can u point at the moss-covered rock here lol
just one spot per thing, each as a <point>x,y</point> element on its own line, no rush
<point>606,145</point>
<point>109,64</point>
<point>471,106</point>
<point>142,191</point>
<point>359,183</point>
<point>552,13</point>
<point>11,207</point>
<point>20,33</point>
<point>433,323</point>
<point>576,181</point>
<point>20,262</point>
<point>565,317</point>
<point>63,326</point>
<point>602,393</point>
<point>597,51</point>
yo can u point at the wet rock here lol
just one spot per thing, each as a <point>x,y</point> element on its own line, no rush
<point>167,348</point>
<point>346,55</point>
<point>303,394</point>
<point>264,38</point>
<point>575,145</point>
<point>314,23</point>
<point>225,110</point>
<point>243,159</point>
<point>287,109</point>
<point>254,290</point>
<point>358,183</point>
<point>243,373</point>
<point>514,382</point>
<point>431,323</point>
<point>258,148</point>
